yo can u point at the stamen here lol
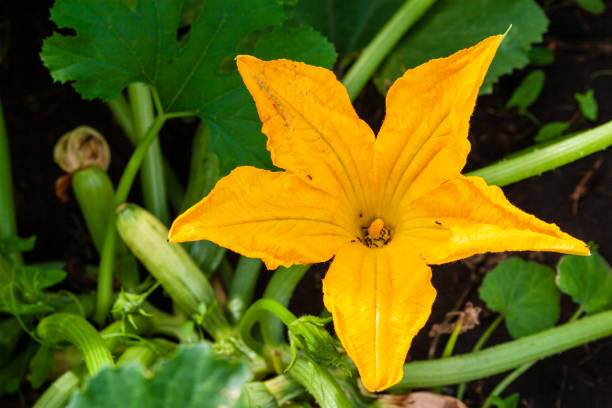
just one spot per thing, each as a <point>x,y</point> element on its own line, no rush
<point>376,228</point>
<point>376,235</point>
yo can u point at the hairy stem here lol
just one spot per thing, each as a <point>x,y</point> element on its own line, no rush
<point>541,158</point>
<point>503,357</point>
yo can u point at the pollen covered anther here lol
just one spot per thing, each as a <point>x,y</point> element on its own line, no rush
<point>376,235</point>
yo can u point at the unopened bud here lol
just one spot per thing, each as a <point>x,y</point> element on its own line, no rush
<point>81,148</point>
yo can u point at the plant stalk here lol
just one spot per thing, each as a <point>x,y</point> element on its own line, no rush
<point>539,159</point>
<point>280,288</point>
<point>503,357</point>
<point>8,223</point>
<point>243,285</point>
<point>152,171</point>
<point>104,297</point>
<point>380,46</point>
<point>62,327</point>
<point>319,383</point>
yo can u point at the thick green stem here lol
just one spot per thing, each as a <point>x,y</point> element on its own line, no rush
<point>123,115</point>
<point>280,288</point>
<point>62,327</point>
<point>372,55</point>
<point>104,298</point>
<point>539,159</point>
<point>319,383</point>
<point>152,171</point>
<point>503,357</point>
<point>8,223</point>
<point>481,342</point>
<point>243,284</point>
<point>59,391</point>
<point>255,313</point>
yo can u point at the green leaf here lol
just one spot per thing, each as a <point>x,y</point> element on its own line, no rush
<point>235,135</point>
<point>451,25</point>
<point>349,25</point>
<point>588,280</point>
<point>540,55</point>
<point>528,91</point>
<point>587,104</point>
<point>551,130</point>
<point>525,293</point>
<point>592,6</point>
<point>115,45</point>
<point>194,377</point>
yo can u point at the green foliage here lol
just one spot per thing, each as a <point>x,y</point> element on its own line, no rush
<point>309,334</point>
<point>451,25</point>
<point>194,377</point>
<point>551,131</point>
<point>42,364</point>
<point>540,55</point>
<point>349,25</point>
<point>587,104</point>
<point>527,92</point>
<point>592,6</point>
<point>25,294</point>
<point>115,45</point>
<point>588,280</point>
<point>511,401</point>
<point>525,293</point>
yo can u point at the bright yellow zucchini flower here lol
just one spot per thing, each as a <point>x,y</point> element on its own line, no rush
<point>384,207</point>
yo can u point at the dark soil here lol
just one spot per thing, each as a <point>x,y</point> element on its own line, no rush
<point>38,112</point>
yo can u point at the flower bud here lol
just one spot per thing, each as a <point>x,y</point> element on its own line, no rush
<point>81,148</point>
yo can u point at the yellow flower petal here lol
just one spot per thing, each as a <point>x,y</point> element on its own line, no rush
<point>379,300</point>
<point>312,128</point>
<point>423,139</point>
<point>269,215</point>
<point>466,216</point>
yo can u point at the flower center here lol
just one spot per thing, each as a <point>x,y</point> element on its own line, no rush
<point>376,235</point>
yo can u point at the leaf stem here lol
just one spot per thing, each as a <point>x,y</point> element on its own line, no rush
<point>107,255</point>
<point>243,284</point>
<point>539,159</point>
<point>319,383</point>
<point>59,391</point>
<point>280,288</point>
<point>60,327</point>
<point>500,358</point>
<point>8,223</point>
<point>152,171</point>
<point>374,53</point>
<point>506,382</point>
<point>255,313</point>
<point>481,342</point>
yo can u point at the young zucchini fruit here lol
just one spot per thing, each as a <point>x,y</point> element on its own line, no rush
<point>170,264</point>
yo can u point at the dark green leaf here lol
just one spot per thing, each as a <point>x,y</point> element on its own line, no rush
<point>451,25</point>
<point>349,25</point>
<point>528,91</point>
<point>592,6</point>
<point>525,293</point>
<point>235,135</point>
<point>14,243</point>
<point>587,104</point>
<point>540,55</point>
<point>42,363</point>
<point>551,130</point>
<point>193,378</point>
<point>588,280</point>
<point>115,45</point>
